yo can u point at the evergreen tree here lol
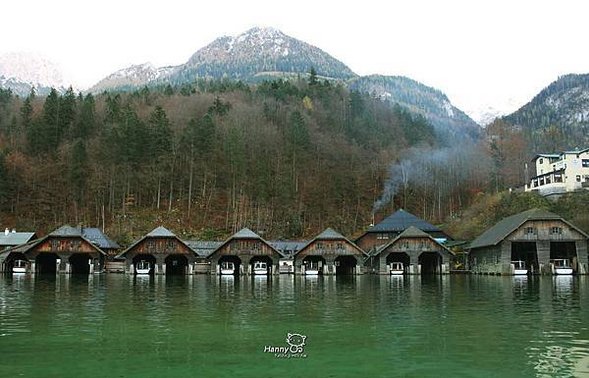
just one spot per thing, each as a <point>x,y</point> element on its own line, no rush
<point>133,138</point>
<point>49,129</point>
<point>5,97</point>
<point>161,133</point>
<point>26,112</point>
<point>86,123</point>
<point>313,77</point>
<point>199,135</point>
<point>113,108</point>
<point>67,113</point>
<point>298,132</point>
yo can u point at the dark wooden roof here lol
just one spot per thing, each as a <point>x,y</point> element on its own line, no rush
<point>96,236</point>
<point>401,220</point>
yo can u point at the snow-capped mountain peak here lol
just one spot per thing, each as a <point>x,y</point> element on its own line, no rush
<point>21,71</point>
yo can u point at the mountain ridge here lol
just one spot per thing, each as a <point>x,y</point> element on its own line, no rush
<point>433,104</point>
<point>558,116</point>
<point>267,53</point>
<point>21,72</point>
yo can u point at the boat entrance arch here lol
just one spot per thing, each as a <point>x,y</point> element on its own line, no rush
<point>80,263</point>
<point>141,259</point>
<point>398,257</point>
<point>431,263</point>
<point>345,265</point>
<point>176,265</point>
<point>314,265</point>
<point>47,263</point>
<point>13,259</point>
<point>255,264</point>
<point>226,261</point>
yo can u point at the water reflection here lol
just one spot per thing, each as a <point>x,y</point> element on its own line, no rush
<point>408,324</point>
<point>563,285</point>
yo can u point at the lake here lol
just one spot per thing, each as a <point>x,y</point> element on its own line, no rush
<point>357,326</point>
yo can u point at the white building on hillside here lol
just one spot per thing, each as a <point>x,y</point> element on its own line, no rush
<point>560,173</point>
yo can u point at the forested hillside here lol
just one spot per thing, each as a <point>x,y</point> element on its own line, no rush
<point>450,122</point>
<point>286,159</point>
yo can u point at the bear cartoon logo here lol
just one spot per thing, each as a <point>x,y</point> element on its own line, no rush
<point>295,339</point>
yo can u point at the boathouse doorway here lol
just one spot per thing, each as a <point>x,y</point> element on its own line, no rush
<point>345,265</point>
<point>176,265</point>
<point>431,263</point>
<point>228,263</point>
<point>314,265</point>
<point>80,263</point>
<point>564,250</point>
<point>256,261</point>
<point>398,257</point>
<point>12,258</point>
<point>526,252</point>
<point>143,261</point>
<point>47,263</point>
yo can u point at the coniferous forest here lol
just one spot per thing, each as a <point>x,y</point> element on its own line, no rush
<point>284,158</point>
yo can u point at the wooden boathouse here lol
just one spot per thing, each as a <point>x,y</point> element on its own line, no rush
<point>330,253</point>
<point>244,249</point>
<point>64,250</point>
<point>536,237</point>
<point>416,250</point>
<point>392,226</point>
<point>162,252</point>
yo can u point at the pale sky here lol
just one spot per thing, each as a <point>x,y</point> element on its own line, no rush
<point>480,53</point>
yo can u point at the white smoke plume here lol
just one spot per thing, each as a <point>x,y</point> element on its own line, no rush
<point>446,168</point>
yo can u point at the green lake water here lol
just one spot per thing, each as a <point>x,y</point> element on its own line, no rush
<point>367,326</point>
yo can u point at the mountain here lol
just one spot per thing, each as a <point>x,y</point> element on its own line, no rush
<point>260,51</point>
<point>558,116</point>
<point>251,56</point>
<point>266,53</point>
<point>20,72</point>
<point>449,121</point>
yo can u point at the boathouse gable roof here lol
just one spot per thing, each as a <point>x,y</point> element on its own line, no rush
<point>60,233</point>
<point>15,238</point>
<point>506,226</point>
<point>157,233</point>
<point>92,234</point>
<point>66,231</point>
<point>401,220</point>
<point>247,234</point>
<point>329,235</point>
<point>161,232</point>
<point>413,233</point>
